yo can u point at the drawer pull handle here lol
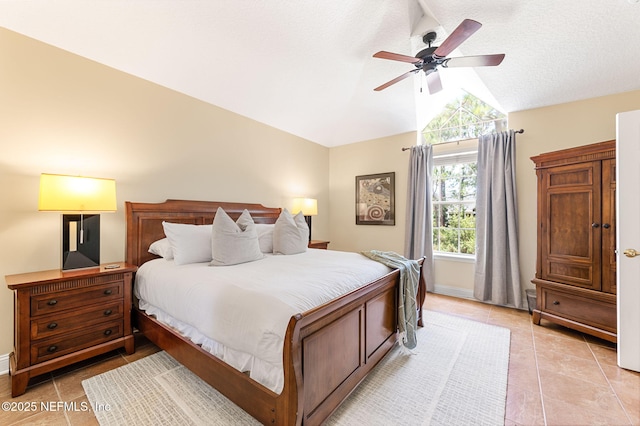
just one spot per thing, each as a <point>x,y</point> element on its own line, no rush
<point>595,225</point>
<point>52,348</point>
<point>52,325</point>
<point>606,226</point>
<point>52,302</point>
<point>107,332</point>
<point>555,302</point>
<point>108,292</point>
<point>108,312</point>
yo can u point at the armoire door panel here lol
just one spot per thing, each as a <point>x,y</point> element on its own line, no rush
<point>571,175</point>
<point>570,272</point>
<point>569,224</point>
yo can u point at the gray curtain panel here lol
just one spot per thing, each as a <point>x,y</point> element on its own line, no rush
<point>418,239</point>
<point>497,272</point>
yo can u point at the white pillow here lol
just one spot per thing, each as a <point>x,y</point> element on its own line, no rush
<point>291,234</point>
<point>265,236</point>
<point>162,248</point>
<point>234,242</point>
<point>189,243</point>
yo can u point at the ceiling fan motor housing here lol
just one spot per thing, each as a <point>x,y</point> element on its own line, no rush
<point>429,38</point>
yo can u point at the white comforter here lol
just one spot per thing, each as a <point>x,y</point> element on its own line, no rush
<point>240,313</point>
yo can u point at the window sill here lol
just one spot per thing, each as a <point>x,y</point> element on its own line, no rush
<point>454,257</point>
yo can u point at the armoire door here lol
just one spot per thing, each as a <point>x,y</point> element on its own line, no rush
<point>571,224</point>
<point>609,226</point>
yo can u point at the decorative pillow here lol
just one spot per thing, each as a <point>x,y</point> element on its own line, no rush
<point>162,248</point>
<point>189,243</point>
<point>234,242</point>
<point>291,234</point>
<point>265,236</point>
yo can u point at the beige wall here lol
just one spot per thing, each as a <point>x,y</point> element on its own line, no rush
<point>348,161</point>
<point>546,129</point>
<point>60,113</point>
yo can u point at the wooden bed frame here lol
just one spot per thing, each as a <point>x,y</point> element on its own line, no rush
<point>327,350</point>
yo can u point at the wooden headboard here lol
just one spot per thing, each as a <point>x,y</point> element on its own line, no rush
<point>144,221</point>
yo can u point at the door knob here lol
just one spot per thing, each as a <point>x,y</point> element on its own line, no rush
<point>631,253</point>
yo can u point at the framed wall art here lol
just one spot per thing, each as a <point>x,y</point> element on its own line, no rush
<point>375,199</point>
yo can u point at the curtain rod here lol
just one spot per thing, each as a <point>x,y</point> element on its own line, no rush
<point>462,140</point>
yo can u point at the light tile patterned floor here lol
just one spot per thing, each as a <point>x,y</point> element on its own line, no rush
<point>556,376</point>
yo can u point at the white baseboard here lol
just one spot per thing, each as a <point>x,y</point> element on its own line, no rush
<point>4,364</point>
<point>463,293</point>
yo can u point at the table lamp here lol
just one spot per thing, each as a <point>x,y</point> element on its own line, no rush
<point>308,207</point>
<point>75,196</point>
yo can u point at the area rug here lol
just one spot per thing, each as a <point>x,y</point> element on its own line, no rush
<point>457,375</point>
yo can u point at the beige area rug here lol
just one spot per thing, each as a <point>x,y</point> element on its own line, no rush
<point>457,375</point>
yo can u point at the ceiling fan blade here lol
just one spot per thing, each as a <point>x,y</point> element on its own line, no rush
<point>455,39</point>
<point>474,61</point>
<point>395,80</point>
<point>397,57</point>
<point>433,82</point>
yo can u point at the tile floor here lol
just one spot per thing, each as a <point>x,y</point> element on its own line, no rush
<point>556,376</point>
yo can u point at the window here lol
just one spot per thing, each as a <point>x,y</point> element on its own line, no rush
<point>454,203</point>
<point>454,176</point>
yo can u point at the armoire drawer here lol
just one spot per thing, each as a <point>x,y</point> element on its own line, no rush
<point>596,313</point>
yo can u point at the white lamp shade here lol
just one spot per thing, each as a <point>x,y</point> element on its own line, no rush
<point>308,206</point>
<point>76,194</point>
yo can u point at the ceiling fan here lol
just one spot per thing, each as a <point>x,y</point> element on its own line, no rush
<point>430,58</point>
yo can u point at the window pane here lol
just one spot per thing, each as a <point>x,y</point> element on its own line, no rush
<point>454,214</point>
<point>467,241</point>
<point>437,215</point>
<point>449,240</point>
<point>468,219</point>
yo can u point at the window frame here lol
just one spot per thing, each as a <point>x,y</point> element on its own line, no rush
<point>461,156</point>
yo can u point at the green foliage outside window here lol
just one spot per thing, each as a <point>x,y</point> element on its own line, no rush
<point>454,201</point>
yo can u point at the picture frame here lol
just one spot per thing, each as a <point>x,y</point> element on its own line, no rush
<point>375,199</point>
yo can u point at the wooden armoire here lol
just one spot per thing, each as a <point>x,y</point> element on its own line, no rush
<point>576,259</point>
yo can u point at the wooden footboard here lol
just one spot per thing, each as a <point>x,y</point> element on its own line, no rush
<point>336,345</point>
<point>327,350</point>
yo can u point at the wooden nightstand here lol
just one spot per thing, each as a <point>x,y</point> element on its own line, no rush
<point>65,317</point>
<point>317,244</point>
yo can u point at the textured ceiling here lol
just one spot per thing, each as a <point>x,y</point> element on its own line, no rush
<point>306,66</point>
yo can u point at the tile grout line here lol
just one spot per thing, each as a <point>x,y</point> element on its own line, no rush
<point>55,386</point>
<point>608,382</point>
<point>535,356</point>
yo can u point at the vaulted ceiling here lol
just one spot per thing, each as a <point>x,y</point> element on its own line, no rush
<point>306,66</point>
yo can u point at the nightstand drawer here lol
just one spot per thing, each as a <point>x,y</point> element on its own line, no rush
<point>67,343</point>
<point>65,322</point>
<point>588,311</point>
<point>58,301</point>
